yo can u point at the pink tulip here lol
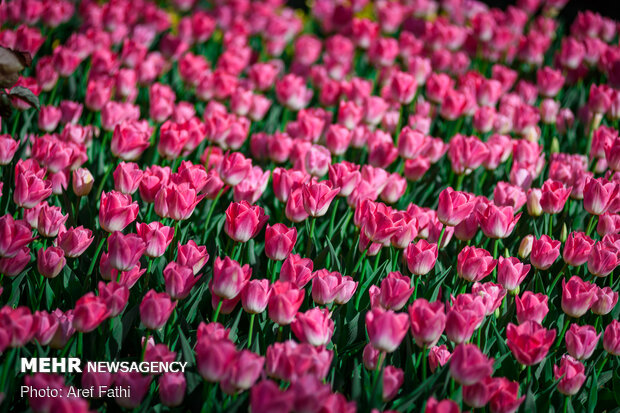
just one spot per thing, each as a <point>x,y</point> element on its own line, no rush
<point>266,397</point>
<point>244,221</point>
<point>116,211</point>
<point>531,307</point>
<point>90,311</point>
<point>179,280</point>
<point>155,309</point>
<point>386,329</point>
<point>192,255</point>
<point>74,241</point>
<point>603,259</point>
<point>611,338</point>
<point>177,201</point>
<point>130,139</point>
<point>127,177</point>
<point>577,249</point>
<point>454,206</point>
<point>284,302</point>
<point>393,379</point>
<point>82,181</point>
<point>279,241</point>
<point>50,261</point>
<point>315,326</point>
<point>544,252</point>
<point>474,264</point>
<point>229,278</point>
<point>529,342</point>
<point>421,257</point>
<point>606,300</point>
<point>317,197</point>
<point>497,222</point>
<point>438,356</point>
<point>554,196</point>
<point>156,236</point>
<point>15,235</point>
<point>255,296</point>
<point>511,272</point>
<point>115,296</point>
<point>428,321</point>
<point>577,296</point>
<point>598,195</point>
<point>571,375</point>
<point>468,365</point>
<point>30,189</point>
<point>172,388</point>
<point>581,341</point>
<point>394,292</point>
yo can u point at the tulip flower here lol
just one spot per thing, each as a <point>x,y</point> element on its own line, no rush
<point>577,296</point>
<point>571,375</point>
<point>317,197</point>
<point>606,300</point>
<point>279,241</point>
<point>577,249</point>
<point>90,311</point>
<point>454,206</point>
<point>393,379</point>
<point>511,272</point>
<point>529,342</point>
<point>474,264</point>
<point>50,261</point>
<point>116,211</point>
<point>531,307</point>
<point>428,321</point>
<point>125,250</point>
<point>244,221</point>
<point>544,252</point>
<point>421,257</point>
<point>386,329</point>
<point>179,280</point>
<point>155,309</point>
<point>581,341</point>
<point>284,302</point>
<point>229,278</point>
<point>172,388</point>
<point>314,326</point>
<point>468,365</point>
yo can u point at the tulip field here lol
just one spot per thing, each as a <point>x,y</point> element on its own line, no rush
<point>358,206</point>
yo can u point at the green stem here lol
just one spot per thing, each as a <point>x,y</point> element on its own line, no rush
<point>557,278</point>
<point>333,217</point>
<point>424,361</point>
<point>213,204</point>
<point>251,330</point>
<point>94,259</point>
<point>443,230</point>
<point>146,342</point>
<point>310,237</point>
<point>459,182</point>
<point>551,225</point>
<point>561,337</point>
<point>217,310</point>
<point>108,171</point>
<point>590,225</point>
<point>495,245</point>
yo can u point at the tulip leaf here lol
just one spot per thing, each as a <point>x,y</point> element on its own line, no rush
<point>186,348</point>
<point>25,94</point>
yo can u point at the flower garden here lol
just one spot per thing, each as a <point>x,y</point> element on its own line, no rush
<point>389,206</point>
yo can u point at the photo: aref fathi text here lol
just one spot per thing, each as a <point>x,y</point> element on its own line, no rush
<point>72,391</point>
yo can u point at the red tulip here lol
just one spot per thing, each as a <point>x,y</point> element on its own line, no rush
<point>386,329</point>
<point>505,396</point>
<point>529,342</point>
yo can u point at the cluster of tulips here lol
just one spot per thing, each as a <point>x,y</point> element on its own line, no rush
<point>390,206</point>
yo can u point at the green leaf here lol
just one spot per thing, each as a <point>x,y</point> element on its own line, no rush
<point>593,399</point>
<point>26,95</point>
<point>186,348</point>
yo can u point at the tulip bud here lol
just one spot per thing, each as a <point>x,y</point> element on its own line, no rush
<point>82,181</point>
<point>525,247</point>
